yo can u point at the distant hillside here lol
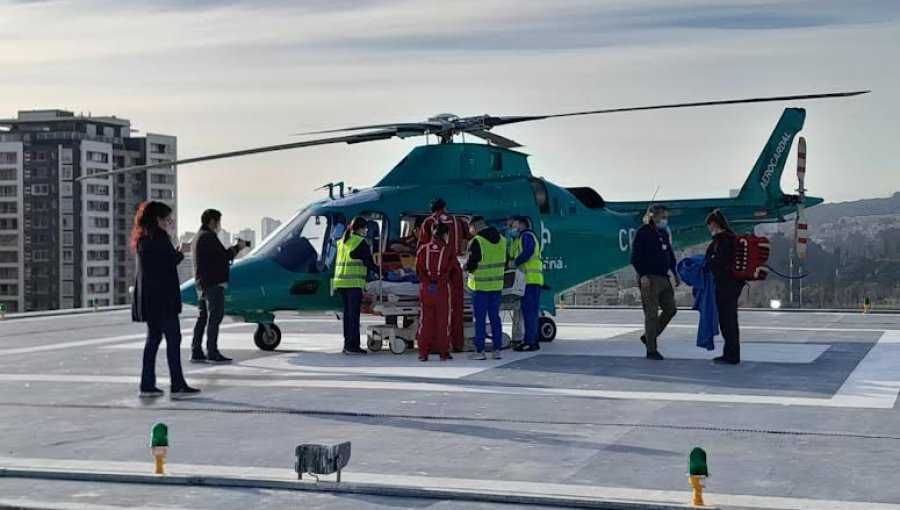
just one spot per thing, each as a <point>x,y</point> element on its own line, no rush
<point>827,213</point>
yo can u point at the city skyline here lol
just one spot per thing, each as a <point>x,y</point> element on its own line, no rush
<point>329,65</point>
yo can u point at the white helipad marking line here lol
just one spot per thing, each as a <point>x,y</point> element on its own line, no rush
<point>446,483</point>
<point>29,504</point>
<point>93,341</point>
<point>877,376</point>
<point>743,327</point>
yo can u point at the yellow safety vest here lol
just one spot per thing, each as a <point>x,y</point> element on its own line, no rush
<point>488,277</point>
<point>349,273</point>
<point>533,267</point>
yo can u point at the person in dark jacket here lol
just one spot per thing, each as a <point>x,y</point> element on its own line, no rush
<point>720,260</point>
<point>654,259</point>
<point>353,260</point>
<point>157,297</point>
<point>212,264</point>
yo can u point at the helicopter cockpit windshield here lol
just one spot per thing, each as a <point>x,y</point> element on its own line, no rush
<point>305,244</point>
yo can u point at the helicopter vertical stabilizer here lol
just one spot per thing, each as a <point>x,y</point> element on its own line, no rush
<point>764,183</point>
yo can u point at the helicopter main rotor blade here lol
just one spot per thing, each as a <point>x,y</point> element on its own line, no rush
<point>424,127</point>
<point>499,141</point>
<point>500,121</point>
<point>349,139</point>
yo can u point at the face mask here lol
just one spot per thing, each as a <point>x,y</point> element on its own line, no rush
<point>513,233</point>
<point>218,230</point>
<point>662,224</point>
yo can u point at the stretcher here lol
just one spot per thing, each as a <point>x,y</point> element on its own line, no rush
<point>398,303</point>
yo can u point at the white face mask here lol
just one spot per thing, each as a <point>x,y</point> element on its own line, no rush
<point>662,224</point>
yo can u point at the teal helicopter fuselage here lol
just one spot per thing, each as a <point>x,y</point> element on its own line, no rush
<point>582,235</point>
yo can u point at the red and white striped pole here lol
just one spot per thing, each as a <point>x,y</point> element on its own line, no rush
<point>802,236</point>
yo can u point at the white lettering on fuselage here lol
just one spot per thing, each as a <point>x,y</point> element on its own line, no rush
<point>626,238</point>
<point>770,168</point>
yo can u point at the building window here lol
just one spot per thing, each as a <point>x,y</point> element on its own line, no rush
<point>9,240</point>
<point>9,273</point>
<point>40,173</point>
<point>160,148</point>
<point>40,189</point>
<point>8,174</point>
<point>40,206</point>
<point>97,206</point>
<point>162,194</point>
<point>98,271</point>
<point>68,220</point>
<point>94,171</point>
<point>9,158</point>
<point>98,238</point>
<point>68,256</point>
<point>9,224</point>
<point>98,157</point>
<point>9,257</point>
<point>65,189</point>
<point>40,271</point>
<point>68,273</point>
<point>40,222</point>
<point>98,189</point>
<point>97,255</point>
<point>109,131</point>
<point>67,290</point>
<point>41,156</point>
<point>65,172</point>
<point>162,179</point>
<point>98,288</point>
<point>66,157</point>
<point>68,239</point>
<point>42,239</point>
<point>9,289</point>
<point>100,222</point>
<point>9,191</point>
<point>40,256</point>
<point>9,208</point>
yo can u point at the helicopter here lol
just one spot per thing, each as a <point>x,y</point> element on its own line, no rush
<point>291,269</point>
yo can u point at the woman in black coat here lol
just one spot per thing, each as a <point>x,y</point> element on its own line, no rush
<point>720,259</point>
<point>157,296</point>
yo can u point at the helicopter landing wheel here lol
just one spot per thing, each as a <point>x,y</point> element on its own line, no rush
<point>547,329</point>
<point>267,337</point>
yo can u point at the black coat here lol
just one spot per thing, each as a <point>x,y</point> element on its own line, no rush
<point>212,261</point>
<point>720,257</point>
<point>157,294</point>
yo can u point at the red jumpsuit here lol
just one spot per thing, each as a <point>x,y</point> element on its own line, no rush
<point>459,236</point>
<point>435,266</point>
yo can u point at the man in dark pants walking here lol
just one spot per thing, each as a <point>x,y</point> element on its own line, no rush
<point>653,259</point>
<point>212,263</point>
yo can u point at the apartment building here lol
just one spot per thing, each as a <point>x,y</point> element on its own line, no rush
<point>64,243</point>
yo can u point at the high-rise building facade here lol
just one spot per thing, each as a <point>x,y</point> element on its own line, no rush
<point>268,226</point>
<point>64,243</point>
<point>248,234</point>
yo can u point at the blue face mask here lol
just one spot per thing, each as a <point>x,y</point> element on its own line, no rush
<point>662,224</point>
<point>512,232</point>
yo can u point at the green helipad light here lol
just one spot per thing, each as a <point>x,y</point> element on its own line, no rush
<point>697,465</point>
<point>159,435</point>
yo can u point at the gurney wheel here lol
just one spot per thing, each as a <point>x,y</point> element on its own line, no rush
<point>374,344</point>
<point>267,337</point>
<point>547,329</point>
<point>398,345</point>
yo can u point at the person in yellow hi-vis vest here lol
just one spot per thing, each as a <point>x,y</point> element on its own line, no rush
<point>354,259</point>
<point>525,254</point>
<point>485,265</point>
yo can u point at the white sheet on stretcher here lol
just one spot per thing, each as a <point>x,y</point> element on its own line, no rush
<point>514,285</point>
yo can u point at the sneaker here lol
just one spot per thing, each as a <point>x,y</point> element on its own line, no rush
<point>527,347</point>
<point>355,351</point>
<point>423,358</point>
<point>154,393</point>
<point>721,360</point>
<point>477,355</point>
<point>495,354</point>
<point>185,392</point>
<point>198,357</point>
<point>655,355</point>
<point>447,357</point>
<point>218,359</point>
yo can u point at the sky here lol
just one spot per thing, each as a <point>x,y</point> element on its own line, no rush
<point>228,74</point>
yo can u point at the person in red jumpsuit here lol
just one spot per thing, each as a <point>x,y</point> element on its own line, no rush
<point>458,232</point>
<point>435,267</point>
